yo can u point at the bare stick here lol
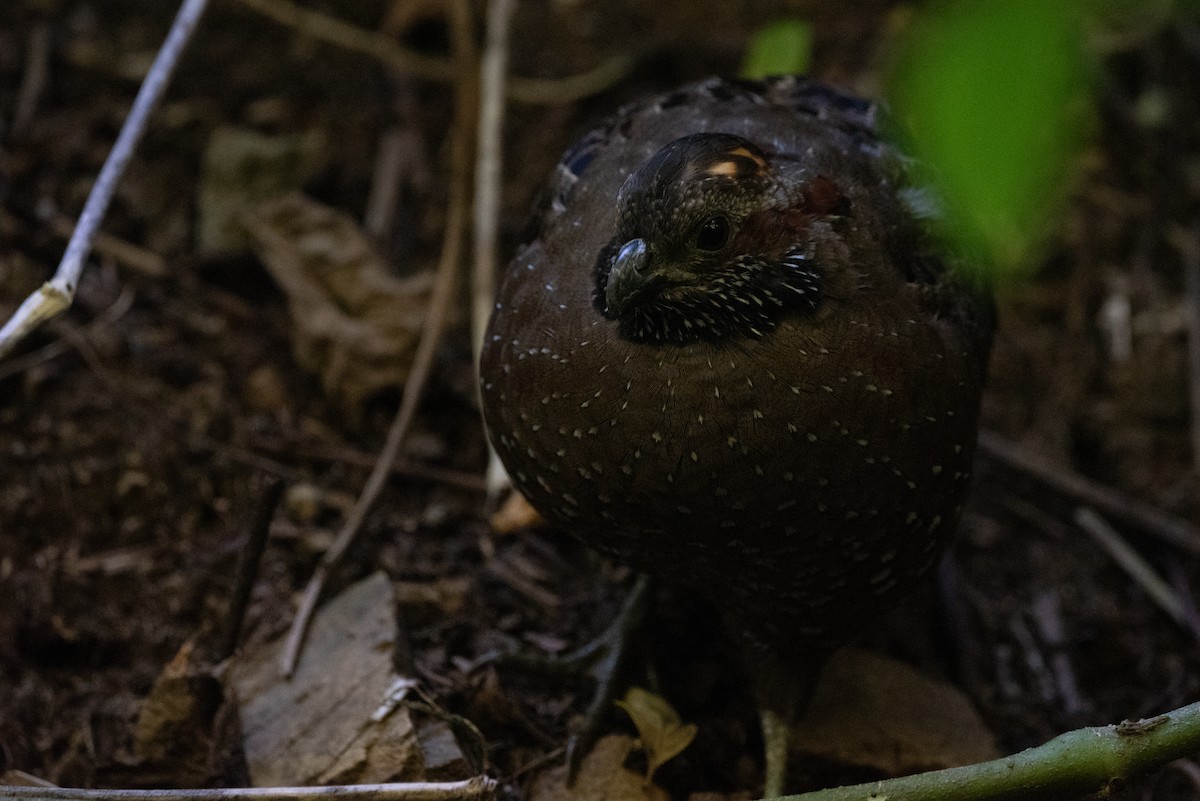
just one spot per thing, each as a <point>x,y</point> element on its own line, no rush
<point>353,38</point>
<point>384,49</point>
<point>249,561</point>
<point>488,166</point>
<point>329,452</point>
<point>1132,563</point>
<point>479,788</point>
<point>488,170</point>
<point>124,253</point>
<point>435,321</point>
<point>33,81</point>
<point>394,144</point>
<point>1116,505</point>
<point>1187,242</point>
<point>56,295</point>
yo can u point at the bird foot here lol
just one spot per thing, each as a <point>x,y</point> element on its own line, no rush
<point>603,659</point>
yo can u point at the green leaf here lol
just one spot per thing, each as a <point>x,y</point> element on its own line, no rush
<point>992,93</point>
<point>781,48</point>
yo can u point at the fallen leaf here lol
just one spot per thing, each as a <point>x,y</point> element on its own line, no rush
<point>175,724</point>
<point>320,726</point>
<point>354,323</point>
<point>661,733</point>
<point>871,711</point>
<point>602,777</point>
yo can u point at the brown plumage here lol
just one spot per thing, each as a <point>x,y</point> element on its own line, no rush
<point>733,355</point>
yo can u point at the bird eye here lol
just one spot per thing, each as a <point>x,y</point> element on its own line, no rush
<point>713,233</point>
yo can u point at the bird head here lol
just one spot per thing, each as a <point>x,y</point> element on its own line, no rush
<point>708,245</point>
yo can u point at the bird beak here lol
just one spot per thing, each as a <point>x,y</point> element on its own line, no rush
<point>628,277</point>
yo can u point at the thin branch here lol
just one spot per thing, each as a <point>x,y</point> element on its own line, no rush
<point>336,31</point>
<point>1187,242</point>
<point>435,322</point>
<point>1112,503</point>
<point>488,171</point>
<point>1130,561</point>
<point>106,319</point>
<point>384,49</point>
<point>330,452</point>
<point>489,166</point>
<point>249,562</point>
<point>33,80</point>
<point>395,145</point>
<point>57,294</point>
<point>479,788</point>
<point>1080,762</point>
<point>137,258</point>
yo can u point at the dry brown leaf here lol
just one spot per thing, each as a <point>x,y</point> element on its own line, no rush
<point>174,726</point>
<point>872,711</point>
<point>661,733</point>
<point>321,725</point>
<point>354,323</point>
<point>602,777</point>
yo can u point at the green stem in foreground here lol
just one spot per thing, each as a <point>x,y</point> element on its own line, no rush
<point>1093,760</point>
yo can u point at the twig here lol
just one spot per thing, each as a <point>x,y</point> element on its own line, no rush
<point>1132,563</point>
<point>1080,762</point>
<point>488,170</point>
<point>136,258</point>
<point>78,341</point>
<point>33,80</point>
<point>1187,242</point>
<point>435,321</point>
<point>1047,616</point>
<point>479,787</point>
<point>385,50</point>
<point>1177,574</point>
<point>56,295</point>
<point>461,479</point>
<point>1144,516</point>
<point>350,37</point>
<point>523,585</point>
<point>394,147</point>
<point>50,350</point>
<point>1035,661</point>
<point>249,561</point>
<point>488,166</point>
<point>1189,770</point>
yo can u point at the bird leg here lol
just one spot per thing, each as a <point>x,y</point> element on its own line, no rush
<point>776,736</point>
<point>782,693</point>
<point>602,658</point>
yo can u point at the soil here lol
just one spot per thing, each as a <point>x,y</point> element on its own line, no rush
<point>137,432</point>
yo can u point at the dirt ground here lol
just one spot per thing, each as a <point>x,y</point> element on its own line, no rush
<point>137,433</point>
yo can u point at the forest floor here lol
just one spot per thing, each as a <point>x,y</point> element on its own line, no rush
<point>138,432</point>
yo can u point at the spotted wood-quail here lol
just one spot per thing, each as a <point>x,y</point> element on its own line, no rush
<point>734,355</point>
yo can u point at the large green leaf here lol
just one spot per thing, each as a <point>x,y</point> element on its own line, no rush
<point>781,48</point>
<point>994,96</point>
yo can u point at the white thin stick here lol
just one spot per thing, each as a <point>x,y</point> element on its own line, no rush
<point>431,333</point>
<point>478,788</point>
<point>493,79</point>
<point>493,71</point>
<point>56,295</point>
